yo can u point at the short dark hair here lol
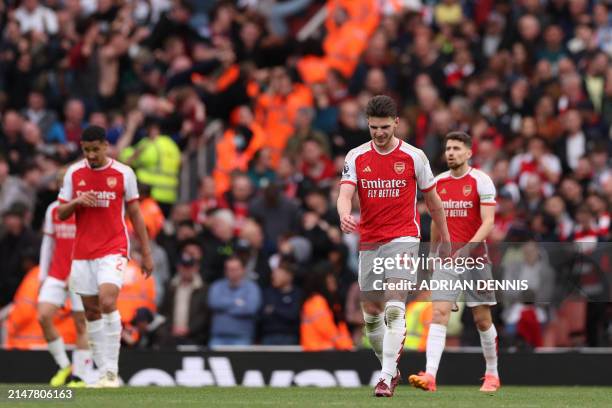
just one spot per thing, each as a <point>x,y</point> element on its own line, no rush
<point>94,133</point>
<point>381,106</point>
<point>459,136</point>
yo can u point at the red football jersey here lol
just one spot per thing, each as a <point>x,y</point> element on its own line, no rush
<point>387,188</point>
<point>63,233</point>
<point>101,230</point>
<point>462,198</point>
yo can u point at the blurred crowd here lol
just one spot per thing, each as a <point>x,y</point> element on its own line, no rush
<point>237,115</point>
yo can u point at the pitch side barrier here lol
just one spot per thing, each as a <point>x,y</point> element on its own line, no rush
<point>320,369</point>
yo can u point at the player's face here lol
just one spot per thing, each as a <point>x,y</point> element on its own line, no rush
<point>95,153</point>
<point>457,154</point>
<point>382,130</point>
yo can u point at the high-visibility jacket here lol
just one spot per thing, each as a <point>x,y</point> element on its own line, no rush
<point>157,166</point>
<point>276,114</point>
<point>136,292</point>
<point>21,327</point>
<point>318,331</point>
<point>229,158</point>
<point>418,318</point>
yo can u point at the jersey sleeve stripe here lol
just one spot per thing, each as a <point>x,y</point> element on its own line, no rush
<point>133,199</point>
<point>493,203</point>
<point>348,182</point>
<point>428,188</point>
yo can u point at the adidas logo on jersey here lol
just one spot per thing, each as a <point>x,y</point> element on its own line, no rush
<point>443,191</point>
<point>81,183</point>
<point>367,169</point>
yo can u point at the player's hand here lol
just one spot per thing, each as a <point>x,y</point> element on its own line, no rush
<point>87,199</point>
<point>348,224</point>
<point>463,252</point>
<point>147,264</point>
<point>444,248</point>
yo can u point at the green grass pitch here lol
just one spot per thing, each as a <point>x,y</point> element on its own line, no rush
<point>405,396</point>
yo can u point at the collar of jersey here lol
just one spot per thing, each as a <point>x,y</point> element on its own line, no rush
<point>388,153</point>
<point>110,163</point>
<point>460,177</point>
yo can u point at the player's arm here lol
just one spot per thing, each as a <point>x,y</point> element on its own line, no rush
<point>487,214</point>
<point>66,209</point>
<point>344,205</point>
<point>46,251</point>
<point>436,210</point>
<point>348,185</point>
<point>133,210</point>
<point>434,233</point>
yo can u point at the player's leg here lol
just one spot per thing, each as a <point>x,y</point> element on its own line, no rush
<point>488,341</point>
<point>374,319</point>
<point>395,330</point>
<point>81,357</point>
<point>372,303</point>
<point>110,271</point>
<point>55,343</point>
<point>51,297</point>
<point>95,329</point>
<point>436,340</point>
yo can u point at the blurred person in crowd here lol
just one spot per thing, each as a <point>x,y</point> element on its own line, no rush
<point>38,113</point>
<point>260,172</point>
<point>249,247</point>
<point>304,131</point>
<point>539,161</point>
<point>234,302</point>
<point>185,304</point>
<point>572,194</point>
<point>35,18</point>
<point>599,207</point>
<point>238,197</point>
<point>573,145</point>
<point>70,130</point>
<point>205,202</point>
<point>315,164</point>
<point>218,244</point>
<point>323,325</point>
<point>156,160</point>
<point>16,151</point>
<point>555,207</point>
<point>280,312</point>
<point>16,240</point>
<point>12,189</point>
<point>350,133</point>
<point>278,214</point>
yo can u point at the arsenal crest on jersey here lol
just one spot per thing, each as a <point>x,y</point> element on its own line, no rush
<point>467,189</point>
<point>399,167</point>
<point>111,181</point>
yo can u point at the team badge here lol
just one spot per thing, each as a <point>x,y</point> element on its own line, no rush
<point>467,189</point>
<point>399,167</point>
<point>111,181</point>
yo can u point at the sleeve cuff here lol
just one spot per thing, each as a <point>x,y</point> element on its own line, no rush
<point>61,200</point>
<point>348,182</point>
<point>425,190</point>
<point>493,203</point>
<point>133,199</point>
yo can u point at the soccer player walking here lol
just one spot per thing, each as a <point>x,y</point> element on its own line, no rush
<point>97,190</point>
<point>469,201</point>
<point>55,256</point>
<point>386,173</point>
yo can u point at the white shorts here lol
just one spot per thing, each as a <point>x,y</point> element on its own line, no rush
<point>55,291</point>
<point>86,275</point>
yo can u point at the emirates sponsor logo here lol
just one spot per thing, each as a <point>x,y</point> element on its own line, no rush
<point>381,183</point>
<point>457,204</point>
<point>399,167</point>
<point>103,198</point>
